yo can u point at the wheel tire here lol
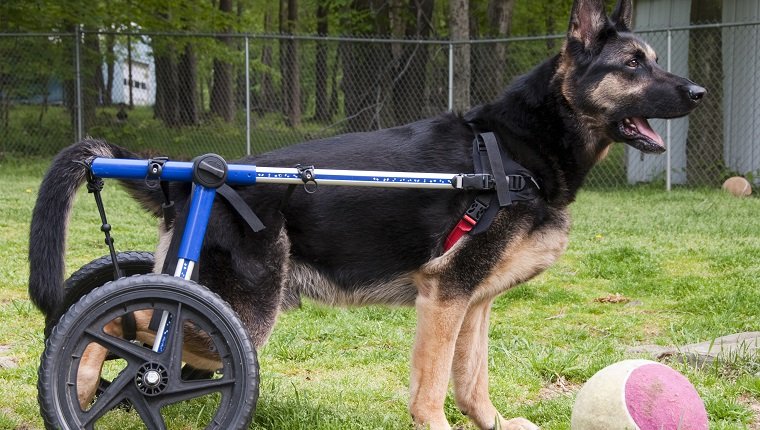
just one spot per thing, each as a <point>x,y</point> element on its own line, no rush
<point>82,324</point>
<point>96,273</point>
<point>99,271</point>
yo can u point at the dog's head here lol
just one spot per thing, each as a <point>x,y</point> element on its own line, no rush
<point>612,82</point>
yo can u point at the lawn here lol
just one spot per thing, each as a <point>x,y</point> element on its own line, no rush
<point>688,262</point>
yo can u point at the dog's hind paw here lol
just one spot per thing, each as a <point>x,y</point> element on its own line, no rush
<point>519,424</point>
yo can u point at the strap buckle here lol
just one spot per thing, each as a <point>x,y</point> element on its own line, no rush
<point>516,182</point>
<point>476,210</point>
<point>476,181</point>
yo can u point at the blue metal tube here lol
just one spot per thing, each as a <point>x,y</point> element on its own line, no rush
<point>197,221</point>
<point>121,168</point>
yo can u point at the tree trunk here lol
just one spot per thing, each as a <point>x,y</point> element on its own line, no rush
<point>550,23</point>
<point>332,106</point>
<point>291,73</point>
<point>165,108</point>
<point>130,80</point>
<point>366,68</point>
<point>187,87</point>
<point>110,59</point>
<point>69,82</point>
<point>283,45</point>
<point>409,101</point>
<point>489,61</point>
<point>321,112</point>
<point>240,86</point>
<point>222,102</point>
<point>459,26</point>
<point>500,14</point>
<point>704,145</point>
<point>268,95</point>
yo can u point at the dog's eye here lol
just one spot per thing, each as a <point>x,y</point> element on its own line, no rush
<point>633,63</point>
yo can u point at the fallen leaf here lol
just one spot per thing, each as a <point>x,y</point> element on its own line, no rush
<point>612,298</point>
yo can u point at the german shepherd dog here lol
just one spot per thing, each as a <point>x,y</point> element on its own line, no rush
<point>351,246</point>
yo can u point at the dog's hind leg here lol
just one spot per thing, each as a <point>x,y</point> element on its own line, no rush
<point>438,323</point>
<point>470,372</point>
<point>250,277</point>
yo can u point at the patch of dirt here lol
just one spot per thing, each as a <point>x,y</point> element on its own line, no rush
<point>754,405</point>
<point>558,388</point>
<point>7,361</point>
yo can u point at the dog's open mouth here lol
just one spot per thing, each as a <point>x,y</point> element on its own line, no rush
<point>638,133</point>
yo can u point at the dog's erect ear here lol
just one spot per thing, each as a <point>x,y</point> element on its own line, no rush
<point>622,16</point>
<point>587,22</point>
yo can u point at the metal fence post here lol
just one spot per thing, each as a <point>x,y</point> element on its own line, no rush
<point>78,83</point>
<point>247,99</point>
<point>668,155</point>
<point>451,76</point>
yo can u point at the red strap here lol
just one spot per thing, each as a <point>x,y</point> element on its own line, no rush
<point>463,226</point>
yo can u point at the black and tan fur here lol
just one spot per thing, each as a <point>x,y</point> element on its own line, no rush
<point>354,246</point>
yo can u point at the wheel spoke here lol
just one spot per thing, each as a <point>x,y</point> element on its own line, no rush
<point>109,398</point>
<point>123,348</point>
<point>176,338</point>
<point>194,389</point>
<point>149,411</point>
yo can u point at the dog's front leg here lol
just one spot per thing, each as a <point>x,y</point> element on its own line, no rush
<point>438,323</point>
<point>470,372</point>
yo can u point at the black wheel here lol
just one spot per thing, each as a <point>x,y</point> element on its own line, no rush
<point>99,271</point>
<point>151,382</point>
<point>96,273</point>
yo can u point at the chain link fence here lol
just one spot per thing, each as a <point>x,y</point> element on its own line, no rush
<point>186,94</point>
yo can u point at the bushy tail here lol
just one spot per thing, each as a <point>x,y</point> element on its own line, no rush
<point>50,219</point>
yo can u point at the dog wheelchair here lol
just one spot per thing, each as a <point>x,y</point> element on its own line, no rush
<point>151,378</point>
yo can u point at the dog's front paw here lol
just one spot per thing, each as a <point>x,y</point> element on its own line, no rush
<point>519,424</point>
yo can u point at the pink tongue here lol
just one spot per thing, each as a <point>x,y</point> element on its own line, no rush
<point>644,128</point>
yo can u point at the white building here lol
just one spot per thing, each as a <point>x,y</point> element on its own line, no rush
<point>741,91</point>
<point>143,79</point>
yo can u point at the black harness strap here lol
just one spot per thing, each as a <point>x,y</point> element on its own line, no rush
<point>509,182</point>
<point>493,153</point>
<point>241,207</point>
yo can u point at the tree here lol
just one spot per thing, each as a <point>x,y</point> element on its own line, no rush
<point>289,64</point>
<point>489,61</point>
<point>187,86</point>
<point>176,61</point>
<point>704,145</point>
<point>165,107</point>
<point>222,102</point>
<point>410,73</point>
<point>268,95</point>
<point>366,67</point>
<point>322,108</point>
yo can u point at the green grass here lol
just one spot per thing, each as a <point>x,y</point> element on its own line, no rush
<point>689,259</point>
<point>34,131</point>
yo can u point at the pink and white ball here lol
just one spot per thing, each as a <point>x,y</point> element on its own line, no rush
<point>638,395</point>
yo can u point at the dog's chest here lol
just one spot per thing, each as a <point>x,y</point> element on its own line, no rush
<point>529,253</point>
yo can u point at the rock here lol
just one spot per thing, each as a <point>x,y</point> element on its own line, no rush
<point>702,353</point>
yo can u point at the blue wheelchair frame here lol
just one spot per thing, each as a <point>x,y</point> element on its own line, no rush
<point>202,198</point>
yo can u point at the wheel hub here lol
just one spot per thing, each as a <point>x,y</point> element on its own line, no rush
<point>151,379</point>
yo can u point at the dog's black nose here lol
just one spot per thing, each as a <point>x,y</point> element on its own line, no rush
<point>695,92</point>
